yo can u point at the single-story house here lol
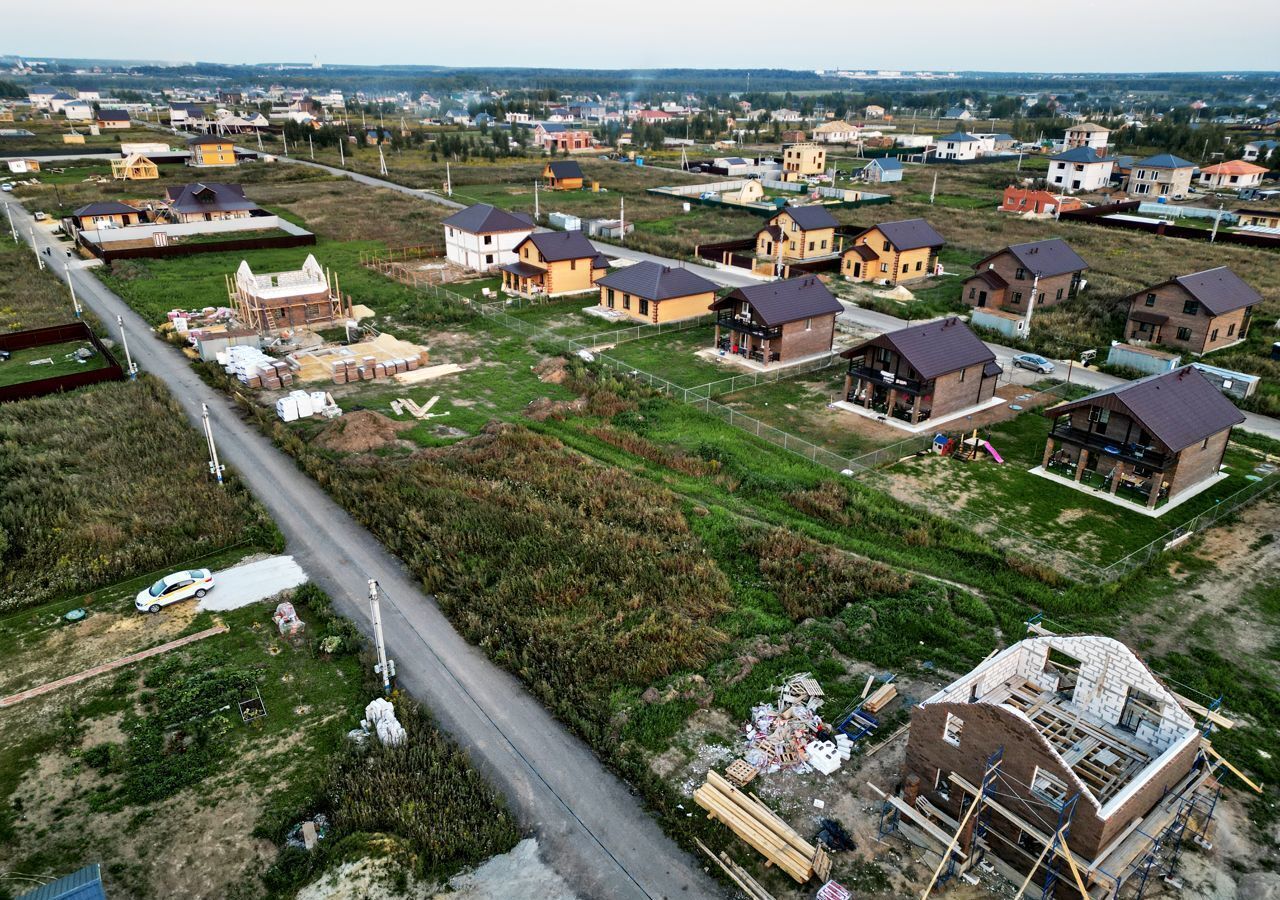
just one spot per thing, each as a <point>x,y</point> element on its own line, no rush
<point>1257,218</point>
<point>207,202</point>
<point>1256,151</point>
<point>959,113</point>
<point>1200,312</point>
<point>652,293</point>
<point>882,170</point>
<point>563,175</point>
<point>1036,203</point>
<point>892,252</point>
<point>1233,175</point>
<point>106,214</point>
<point>117,119</point>
<point>483,237</point>
<point>777,322</point>
<point>928,371</point>
<point>1160,435</point>
<point>78,111</point>
<point>553,263</point>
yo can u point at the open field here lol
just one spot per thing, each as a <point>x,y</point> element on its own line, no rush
<point>29,297</point>
<point>48,361</point>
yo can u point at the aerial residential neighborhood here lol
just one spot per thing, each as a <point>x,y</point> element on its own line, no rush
<point>584,453</point>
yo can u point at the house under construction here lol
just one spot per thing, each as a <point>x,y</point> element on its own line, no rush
<point>134,167</point>
<point>309,297</point>
<point>1065,765</point>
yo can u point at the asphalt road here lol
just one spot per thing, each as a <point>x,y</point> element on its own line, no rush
<point>593,831</point>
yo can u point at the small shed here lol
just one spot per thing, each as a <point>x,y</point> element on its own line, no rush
<point>82,884</point>
<point>1007,324</point>
<point>880,171</point>
<point>1141,359</point>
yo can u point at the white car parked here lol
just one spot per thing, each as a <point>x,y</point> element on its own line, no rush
<point>172,588</point>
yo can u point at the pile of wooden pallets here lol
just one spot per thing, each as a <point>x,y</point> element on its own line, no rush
<point>762,829</point>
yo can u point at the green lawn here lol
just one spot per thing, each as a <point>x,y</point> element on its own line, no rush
<point>671,356</point>
<point>28,365</point>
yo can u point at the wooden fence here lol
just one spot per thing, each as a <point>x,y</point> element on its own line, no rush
<point>58,334</point>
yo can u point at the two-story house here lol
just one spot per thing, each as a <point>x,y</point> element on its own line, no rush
<point>558,138</point>
<point>1162,175</point>
<point>929,371</point>
<point>1233,175</point>
<point>892,252</point>
<point>1147,440</point>
<point>801,160</point>
<point>957,146</point>
<point>212,150</point>
<point>1089,135</point>
<point>652,293</point>
<point>563,175</point>
<point>797,233</point>
<point>1022,277</point>
<point>1200,312</point>
<point>1079,169</point>
<point>781,322</point>
<point>483,237</point>
<point>552,264</point>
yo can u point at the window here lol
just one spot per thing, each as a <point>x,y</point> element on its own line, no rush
<point>488,239</point>
<point>1139,707</point>
<point>626,301</point>
<point>793,245</point>
<point>884,267</point>
<point>1184,334</point>
<point>1231,329</point>
<point>1098,419</point>
<point>488,259</point>
<point>808,324</point>
<point>824,245</point>
<point>971,290</point>
<point>1049,788</point>
<point>573,264</point>
<point>1067,670</point>
<point>1060,292</point>
<point>811,245</point>
<point>1017,297</point>
<point>644,307</point>
<point>1151,300</point>
<point>952,730</point>
<point>1213,335</point>
<point>886,245</point>
<point>919,264</point>
<point>1020,274</point>
<point>962,371</point>
<point>1191,307</point>
<point>608,296</point>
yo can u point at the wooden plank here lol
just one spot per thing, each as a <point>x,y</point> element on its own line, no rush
<point>887,741</point>
<point>880,699</point>
<point>757,810</point>
<point>741,885</point>
<point>770,845</point>
<point>1202,710</point>
<point>1230,768</point>
<point>867,687</point>
<point>1032,873</point>
<point>946,851</point>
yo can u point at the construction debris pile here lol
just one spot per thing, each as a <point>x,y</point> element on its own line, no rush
<point>286,619</point>
<point>403,405</point>
<point>254,368</point>
<point>380,718</point>
<point>791,736</point>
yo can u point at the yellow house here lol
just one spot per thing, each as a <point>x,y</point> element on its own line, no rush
<point>798,232</point>
<point>565,175</point>
<point>135,167</point>
<point>892,252</point>
<point>6,114</point>
<point>655,294</point>
<point>1254,218</point>
<point>212,150</point>
<point>802,160</point>
<point>552,264</point>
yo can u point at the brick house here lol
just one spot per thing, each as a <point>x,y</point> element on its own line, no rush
<point>1233,175</point>
<point>1072,727</point>
<point>797,233</point>
<point>1089,135</point>
<point>106,214</point>
<point>802,159</point>
<point>556,138</point>
<point>564,175</point>
<point>1157,437</point>
<point>1162,175</point>
<point>553,263</point>
<point>1023,276</point>
<point>1036,203</point>
<point>1200,312</point>
<point>653,293</point>
<point>928,371</point>
<point>892,252</point>
<point>778,322</point>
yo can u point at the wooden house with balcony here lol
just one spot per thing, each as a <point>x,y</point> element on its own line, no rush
<point>781,322</point>
<point>929,371</point>
<point>1147,440</point>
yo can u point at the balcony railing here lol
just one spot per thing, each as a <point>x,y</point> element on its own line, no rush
<point>888,379</point>
<point>746,326</point>
<point>1134,453</point>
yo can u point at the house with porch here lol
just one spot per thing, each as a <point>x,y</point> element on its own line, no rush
<point>1233,175</point>
<point>1149,440</point>
<point>563,175</point>
<point>654,294</point>
<point>892,253</point>
<point>206,202</point>
<point>931,371</point>
<point>553,264</point>
<point>777,323</point>
<point>1198,313</point>
<point>482,237</point>
<point>1079,169</point>
<point>797,233</point>
<point>105,214</point>
<point>1021,277</point>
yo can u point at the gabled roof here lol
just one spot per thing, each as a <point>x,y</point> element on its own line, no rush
<point>779,302</point>
<point>1234,167</point>
<point>1044,258</point>
<point>1081,155</point>
<point>565,169</point>
<point>559,245</point>
<point>485,219</point>
<point>654,281</point>
<point>104,208</point>
<point>909,234</point>
<point>808,218</point>
<point>1088,127</point>
<point>1219,290</point>
<point>934,348</point>
<point>887,163</point>
<point>207,197</point>
<point>1178,408</point>
<point>113,115</point>
<point>957,136</point>
<point>62,95</point>
<point>1165,161</point>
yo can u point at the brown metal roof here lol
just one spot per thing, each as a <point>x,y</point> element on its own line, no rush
<point>779,302</point>
<point>1219,290</point>
<point>864,251</point>
<point>909,234</point>
<point>1042,258</point>
<point>934,348</point>
<point>558,245</point>
<point>1141,315</point>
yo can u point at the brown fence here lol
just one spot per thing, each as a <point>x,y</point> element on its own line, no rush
<point>263,243</point>
<point>1097,215</point>
<point>58,334</point>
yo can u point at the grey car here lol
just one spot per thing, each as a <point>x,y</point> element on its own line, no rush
<point>1034,362</point>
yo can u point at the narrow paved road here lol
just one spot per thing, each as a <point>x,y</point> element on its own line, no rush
<point>593,831</point>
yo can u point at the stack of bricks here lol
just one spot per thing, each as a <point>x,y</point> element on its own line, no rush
<point>369,368</point>
<point>275,375</point>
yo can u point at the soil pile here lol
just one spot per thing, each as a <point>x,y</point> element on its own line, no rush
<point>360,432</point>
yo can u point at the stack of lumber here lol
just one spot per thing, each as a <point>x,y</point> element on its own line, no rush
<point>740,876</point>
<point>880,699</point>
<point>758,826</point>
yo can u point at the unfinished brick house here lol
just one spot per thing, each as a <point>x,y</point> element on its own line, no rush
<point>1200,312</point>
<point>779,322</point>
<point>1023,277</point>
<point>1058,747</point>
<point>929,371</point>
<point>272,301</point>
<point>1146,440</point>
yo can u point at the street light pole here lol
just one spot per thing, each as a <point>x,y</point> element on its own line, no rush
<point>386,668</point>
<point>128,358</point>
<point>75,302</point>
<point>39,258</point>
<point>214,465</point>
<point>12,230</point>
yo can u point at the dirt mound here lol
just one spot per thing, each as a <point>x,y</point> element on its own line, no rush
<point>545,408</point>
<point>360,432</point>
<point>551,371</point>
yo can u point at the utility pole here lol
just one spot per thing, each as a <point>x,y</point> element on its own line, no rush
<point>284,137</point>
<point>75,303</point>
<point>382,161</point>
<point>128,358</point>
<point>536,212</point>
<point>622,220</point>
<point>934,191</point>
<point>342,154</point>
<point>1216,219</point>
<point>12,230</point>
<point>215,467</point>
<point>39,258</point>
<point>385,667</point>
<point>259,133</point>
<point>448,179</point>
<point>312,144</point>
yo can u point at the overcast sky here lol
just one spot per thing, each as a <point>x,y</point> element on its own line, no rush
<point>1074,36</point>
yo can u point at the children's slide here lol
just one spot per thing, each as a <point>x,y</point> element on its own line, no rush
<point>986,445</point>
